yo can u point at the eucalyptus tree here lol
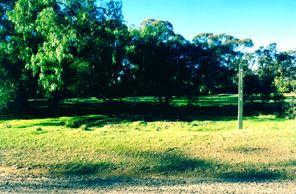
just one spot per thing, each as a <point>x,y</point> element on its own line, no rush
<point>285,79</point>
<point>161,58</point>
<point>69,45</point>
<point>15,81</point>
<point>268,68</point>
<point>5,29</point>
<point>114,71</point>
<point>274,73</point>
<point>218,57</point>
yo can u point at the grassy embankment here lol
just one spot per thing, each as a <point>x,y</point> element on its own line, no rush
<point>139,138</point>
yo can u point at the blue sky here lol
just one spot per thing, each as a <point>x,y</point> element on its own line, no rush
<point>264,21</point>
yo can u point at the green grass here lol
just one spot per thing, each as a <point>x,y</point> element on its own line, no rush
<point>149,143</point>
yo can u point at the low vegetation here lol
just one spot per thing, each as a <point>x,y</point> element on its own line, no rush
<point>180,141</point>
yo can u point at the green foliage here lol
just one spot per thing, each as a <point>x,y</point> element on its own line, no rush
<point>164,68</point>
<point>6,85</point>
<point>285,80</point>
<point>274,75</point>
<point>71,48</point>
<point>72,123</point>
<point>7,91</point>
<point>218,57</point>
<point>38,22</point>
<point>290,108</point>
<point>71,40</point>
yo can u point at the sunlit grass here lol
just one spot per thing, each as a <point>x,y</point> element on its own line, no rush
<point>203,148</point>
<point>135,148</point>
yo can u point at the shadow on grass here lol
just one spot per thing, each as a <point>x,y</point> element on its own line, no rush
<point>172,168</point>
<point>121,112</point>
<point>247,149</point>
<point>175,162</point>
<point>167,164</point>
<point>252,175</point>
<point>81,168</point>
<point>290,163</point>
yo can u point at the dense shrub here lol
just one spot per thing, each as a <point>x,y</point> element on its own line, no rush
<point>7,90</point>
<point>290,109</point>
<point>73,123</point>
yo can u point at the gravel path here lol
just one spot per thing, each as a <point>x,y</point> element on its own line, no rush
<point>16,183</point>
<point>76,185</point>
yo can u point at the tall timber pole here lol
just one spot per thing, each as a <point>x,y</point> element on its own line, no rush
<point>240,96</point>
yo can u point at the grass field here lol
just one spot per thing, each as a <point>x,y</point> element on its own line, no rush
<point>139,138</point>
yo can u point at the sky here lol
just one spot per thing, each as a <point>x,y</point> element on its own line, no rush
<point>264,21</point>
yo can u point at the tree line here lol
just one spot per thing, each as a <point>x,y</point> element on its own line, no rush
<point>80,48</point>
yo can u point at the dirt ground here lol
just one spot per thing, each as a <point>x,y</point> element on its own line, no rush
<point>12,181</point>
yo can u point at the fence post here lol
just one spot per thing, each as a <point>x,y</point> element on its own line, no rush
<point>240,96</point>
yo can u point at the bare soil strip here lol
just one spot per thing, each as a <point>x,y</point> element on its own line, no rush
<point>12,181</point>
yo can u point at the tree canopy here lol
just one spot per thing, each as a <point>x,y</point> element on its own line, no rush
<point>73,48</point>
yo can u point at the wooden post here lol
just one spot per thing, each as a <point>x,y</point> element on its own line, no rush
<point>240,96</point>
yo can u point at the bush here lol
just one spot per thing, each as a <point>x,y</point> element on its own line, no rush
<point>277,97</point>
<point>73,124</point>
<point>6,93</point>
<point>251,97</point>
<point>290,109</point>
